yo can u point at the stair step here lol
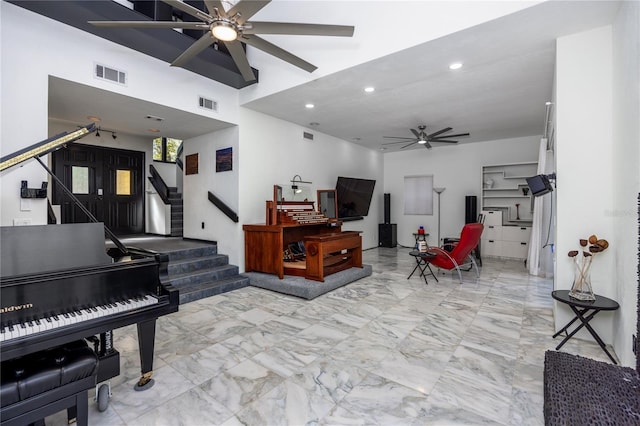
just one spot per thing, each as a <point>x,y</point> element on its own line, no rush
<point>192,264</point>
<point>204,275</point>
<point>208,289</point>
<point>204,251</point>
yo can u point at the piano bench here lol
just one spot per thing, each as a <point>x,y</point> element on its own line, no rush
<point>40,384</point>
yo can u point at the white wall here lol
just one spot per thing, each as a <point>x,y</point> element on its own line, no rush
<point>272,151</point>
<point>584,164</point>
<point>626,173</point>
<point>34,47</point>
<point>198,209</point>
<point>458,168</point>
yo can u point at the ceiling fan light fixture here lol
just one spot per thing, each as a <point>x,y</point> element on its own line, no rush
<point>224,30</point>
<point>422,141</point>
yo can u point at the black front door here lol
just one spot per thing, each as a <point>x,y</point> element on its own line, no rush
<point>108,182</point>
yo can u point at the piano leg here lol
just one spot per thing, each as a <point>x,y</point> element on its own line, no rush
<point>146,342</point>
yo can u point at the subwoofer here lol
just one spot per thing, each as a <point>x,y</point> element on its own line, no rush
<point>388,235</point>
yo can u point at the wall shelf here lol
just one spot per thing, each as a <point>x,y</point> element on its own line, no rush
<point>502,189</point>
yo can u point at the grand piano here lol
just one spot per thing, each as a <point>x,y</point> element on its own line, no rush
<point>60,283</point>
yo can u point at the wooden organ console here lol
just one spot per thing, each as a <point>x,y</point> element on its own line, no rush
<point>327,249</point>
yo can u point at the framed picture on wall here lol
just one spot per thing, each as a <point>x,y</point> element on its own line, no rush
<point>191,164</point>
<point>224,160</point>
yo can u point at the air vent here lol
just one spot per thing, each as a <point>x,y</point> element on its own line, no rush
<point>111,74</point>
<point>307,135</point>
<point>208,104</point>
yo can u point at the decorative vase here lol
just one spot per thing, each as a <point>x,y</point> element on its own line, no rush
<point>581,288</point>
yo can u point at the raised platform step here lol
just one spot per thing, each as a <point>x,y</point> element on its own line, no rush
<point>200,291</point>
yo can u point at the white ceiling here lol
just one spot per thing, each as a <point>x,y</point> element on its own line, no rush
<point>499,93</point>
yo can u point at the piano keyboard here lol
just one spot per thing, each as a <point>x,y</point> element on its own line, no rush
<point>12,331</point>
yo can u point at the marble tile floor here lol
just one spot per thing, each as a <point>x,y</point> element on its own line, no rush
<point>383,350</point>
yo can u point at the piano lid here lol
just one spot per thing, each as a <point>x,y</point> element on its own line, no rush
<point>43,248</point>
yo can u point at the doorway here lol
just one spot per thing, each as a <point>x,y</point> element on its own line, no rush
<point>108,182</point>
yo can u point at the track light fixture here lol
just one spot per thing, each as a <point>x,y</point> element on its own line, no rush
<point>113,133</point>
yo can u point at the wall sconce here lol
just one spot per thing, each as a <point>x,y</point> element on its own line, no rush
<point>294,184</point>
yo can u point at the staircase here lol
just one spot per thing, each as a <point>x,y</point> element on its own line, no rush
<point>175,200</point>
<point>201,272</point>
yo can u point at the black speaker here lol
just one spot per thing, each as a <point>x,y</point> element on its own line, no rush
<point>470,209</point>
<point>387,208</point>
<point>388,234</point>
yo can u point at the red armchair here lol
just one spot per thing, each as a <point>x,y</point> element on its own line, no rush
<point>461,253</point>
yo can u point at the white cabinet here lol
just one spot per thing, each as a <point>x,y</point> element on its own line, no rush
<point>504,188</point>
<point>500,240</point>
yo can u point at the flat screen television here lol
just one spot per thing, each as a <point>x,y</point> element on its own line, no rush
<point>539,185</point>
<point>354,197</point>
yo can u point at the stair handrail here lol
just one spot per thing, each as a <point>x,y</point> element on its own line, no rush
<point>223,207</point>
<point>158,184</point>
<point>179,157</point>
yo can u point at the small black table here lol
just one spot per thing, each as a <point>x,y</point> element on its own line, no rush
<point>581,308</point>
<point>422,263</point>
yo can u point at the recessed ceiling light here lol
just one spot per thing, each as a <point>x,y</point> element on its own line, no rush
<point>313,123</point>
<point>154,130</point>
<point>154,118</point>
<point>94,118</point>
<point>369,89</point>
<point>309,106</point>
<point>455,66</point>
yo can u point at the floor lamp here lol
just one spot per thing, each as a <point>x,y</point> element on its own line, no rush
<point>439,191</point>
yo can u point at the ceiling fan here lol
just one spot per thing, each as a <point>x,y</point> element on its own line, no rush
<point>423,138</point>
<point>232,28</point>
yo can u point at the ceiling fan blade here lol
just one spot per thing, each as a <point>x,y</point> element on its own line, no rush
<point>408,145</point>
<point>404,141</point>
<point>442,141</point>
<point>150,24</point>
<point>398,137</point>
<point>446,129</point>
<point>427,145</point>
<point>246,9</point>
<point>415,132</point>
<point>193,11</point>
<point>203,42</point>
<point>451,136</point>
<point>240,58</point>
<point>299,29</point>
<point>215,5</point>
<point>278,52</point>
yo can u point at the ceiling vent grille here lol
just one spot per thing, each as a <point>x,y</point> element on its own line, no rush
<point>307,135</point>
<point>111,74</point>
<point>209,104</point>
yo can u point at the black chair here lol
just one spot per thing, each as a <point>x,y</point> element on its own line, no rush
<point>38,385</point>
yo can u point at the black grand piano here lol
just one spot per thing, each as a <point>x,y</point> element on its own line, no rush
<point>59,284</point>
